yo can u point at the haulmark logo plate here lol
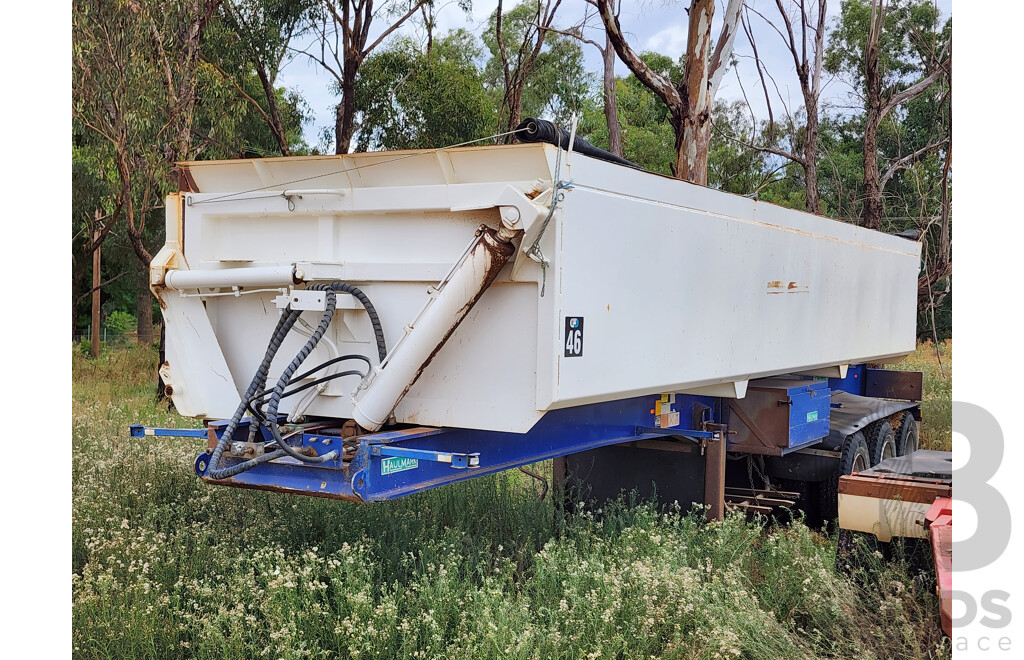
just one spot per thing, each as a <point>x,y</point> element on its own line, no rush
<point>393,464</point>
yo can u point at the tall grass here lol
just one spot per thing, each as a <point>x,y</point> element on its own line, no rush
<point>164,566</point>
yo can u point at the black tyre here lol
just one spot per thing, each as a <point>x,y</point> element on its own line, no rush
<point>908,438</point>
<point>881,441</point>
<point>854,458</point>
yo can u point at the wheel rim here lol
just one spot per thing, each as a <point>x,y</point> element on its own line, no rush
<point>888,449</point>
<point>859,464</point>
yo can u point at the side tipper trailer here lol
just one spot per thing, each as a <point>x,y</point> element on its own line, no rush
<point>368,326</point>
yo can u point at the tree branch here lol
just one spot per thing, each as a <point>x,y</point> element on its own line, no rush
<point>913,91</point>
<point>723,49</point>
<point>394,26</point>
<point>99,286</point>
<point>661,85</point>
<point>771,150</point>
<point>905,161</point>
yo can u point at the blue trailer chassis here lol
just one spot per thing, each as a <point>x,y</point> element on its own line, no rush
<point>395,463</point>
<point>386,465</point>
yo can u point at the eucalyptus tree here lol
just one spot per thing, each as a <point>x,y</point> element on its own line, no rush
<point>690,101</point>
<point>412,96</point>
<point>531,66</point>
<point>891,52</point>
<point>342,31</point>
<point>801,26</point>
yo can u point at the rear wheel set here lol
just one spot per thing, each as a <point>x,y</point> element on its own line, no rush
<point>855,457</point>
<point>881,441</point>
<point>908,435</point>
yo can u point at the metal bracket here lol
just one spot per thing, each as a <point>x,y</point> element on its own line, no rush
<point>303,299</point>
<point>686,433</point>
<point>457,460</point>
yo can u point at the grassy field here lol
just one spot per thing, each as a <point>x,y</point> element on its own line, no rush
<point>164,566</point>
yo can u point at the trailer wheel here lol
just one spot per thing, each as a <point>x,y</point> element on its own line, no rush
<point>907,441</point>
<point>854,458</point>
<point>881,442</point>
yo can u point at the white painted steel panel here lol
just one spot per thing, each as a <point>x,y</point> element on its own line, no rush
<point>680,286</point>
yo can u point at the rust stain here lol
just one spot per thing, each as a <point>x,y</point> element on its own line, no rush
<point>776,287</point>
<point>280,489</point>
<point>499,253</point>
<point>186,183</point>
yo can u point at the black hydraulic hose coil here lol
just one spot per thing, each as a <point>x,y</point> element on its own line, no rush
<point>371,311</point>
<point>284,325</point>
<point>283,381</point>
<point>541,130</point>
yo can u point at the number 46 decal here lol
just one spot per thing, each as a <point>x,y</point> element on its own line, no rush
<point>573,336</point>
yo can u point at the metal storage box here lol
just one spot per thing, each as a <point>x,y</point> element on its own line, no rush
<point>780,414</point>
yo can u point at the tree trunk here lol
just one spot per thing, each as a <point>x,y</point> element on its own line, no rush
<point>611,106</point>
<point>694,142</point>
<point>872,212</point>
<point>810,163</point>
<point>144,310</point>
<point>689,105</point>
<point>76,284</point>
<point>275,118</point>
<point>515,107</point>
<point>344,120</point>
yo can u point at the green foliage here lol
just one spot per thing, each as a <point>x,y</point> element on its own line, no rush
<point>647,137</point>
<point>122,108</point>
<point>232,118</point>
<point>557,85</point>
<point>935,361</point>
<point>412,99</point>
<point>911,36</point>
<point>119,322</point>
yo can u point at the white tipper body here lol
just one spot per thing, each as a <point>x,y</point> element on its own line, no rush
<point>679,288</point>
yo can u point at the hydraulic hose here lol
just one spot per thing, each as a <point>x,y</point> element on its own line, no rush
<point>541,130</point>
<point>283,381</point>
<point>371,311</point>
<point>284,325</point>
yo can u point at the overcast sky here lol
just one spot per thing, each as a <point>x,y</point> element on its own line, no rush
<point>654,25</point>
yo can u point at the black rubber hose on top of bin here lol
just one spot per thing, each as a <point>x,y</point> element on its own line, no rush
<point>541,130</point>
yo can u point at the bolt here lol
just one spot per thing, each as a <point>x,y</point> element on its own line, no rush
<point>202,466</point>
<point>509,215</point>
